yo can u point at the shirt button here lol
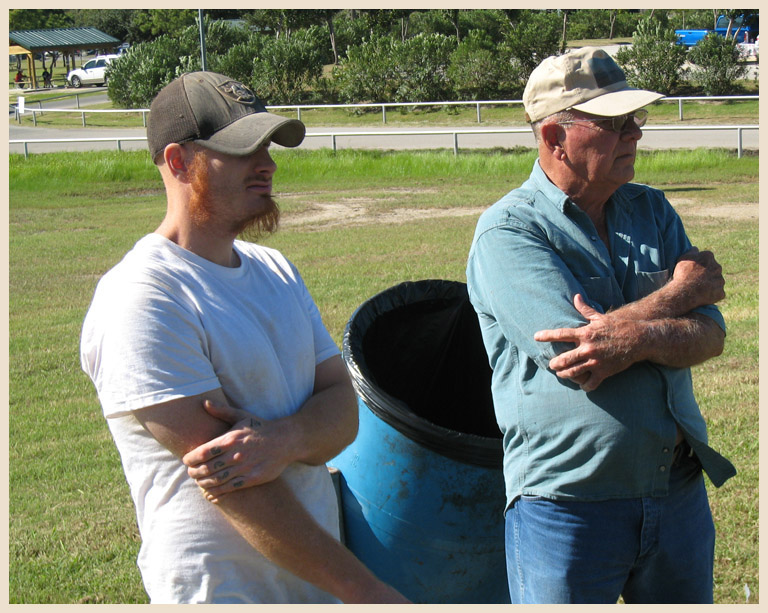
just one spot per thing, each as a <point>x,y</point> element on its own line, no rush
<point>594,238</point>
<point>662,468</point>
<point>665,450</point>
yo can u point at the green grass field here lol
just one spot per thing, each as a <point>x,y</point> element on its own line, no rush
<point>355,223</point>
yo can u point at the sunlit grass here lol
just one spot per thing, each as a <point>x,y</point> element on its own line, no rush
<point>72,216</point>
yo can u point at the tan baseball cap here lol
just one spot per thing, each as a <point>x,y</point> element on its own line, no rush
<point>586,79</point>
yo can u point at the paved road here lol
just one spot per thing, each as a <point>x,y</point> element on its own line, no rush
<point>384,139</point>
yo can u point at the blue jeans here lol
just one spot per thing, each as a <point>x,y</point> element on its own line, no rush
<point>648,550</point>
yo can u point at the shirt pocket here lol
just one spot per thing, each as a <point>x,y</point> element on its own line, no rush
<point>599,290</point>
<point>649,282</point>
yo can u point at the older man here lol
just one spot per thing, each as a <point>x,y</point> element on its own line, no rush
<point>192,321</point>
<point>593,306</point>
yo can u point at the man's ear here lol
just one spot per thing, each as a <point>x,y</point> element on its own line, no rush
<point>176,158</point>
<point>552,136</point>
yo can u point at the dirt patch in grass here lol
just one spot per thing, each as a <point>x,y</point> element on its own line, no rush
<point>363,210</point>
<point>358,213</point>
<point>726,210</point>
<point>366,211</point>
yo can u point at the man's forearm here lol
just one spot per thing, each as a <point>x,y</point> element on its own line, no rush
<point>697,281</point>
<point>255,451</point>
<point>325,425</point>
<point>276,524</point>
<point>682,342</point>
<point>611,343</point>
<point>268,516</point>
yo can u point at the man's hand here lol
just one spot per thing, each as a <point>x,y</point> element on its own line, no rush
<point>251,453</point>
<point>604,346</point>
<point>700,276</point>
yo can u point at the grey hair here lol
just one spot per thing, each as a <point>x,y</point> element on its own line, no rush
<point>555,118</point>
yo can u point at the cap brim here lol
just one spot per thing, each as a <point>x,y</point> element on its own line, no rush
<point>618,103</point>
<point>247,134</point>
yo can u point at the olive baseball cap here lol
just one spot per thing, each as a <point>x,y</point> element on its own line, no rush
<point>218,113</point>
<point>585,79</point>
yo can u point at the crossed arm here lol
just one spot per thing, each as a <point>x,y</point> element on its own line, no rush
<point>660,327</point>
<point>269,516</point>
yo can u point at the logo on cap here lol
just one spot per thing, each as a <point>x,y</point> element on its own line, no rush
<point>605,71</point>
<point>237,91</point>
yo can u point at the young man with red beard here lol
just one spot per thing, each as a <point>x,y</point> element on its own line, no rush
<point>194,331</point>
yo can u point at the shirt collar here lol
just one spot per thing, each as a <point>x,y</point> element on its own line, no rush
<point>551,191</point>
<point>554,194</point>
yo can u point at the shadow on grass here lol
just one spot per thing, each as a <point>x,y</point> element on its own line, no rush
<point>687,189</point>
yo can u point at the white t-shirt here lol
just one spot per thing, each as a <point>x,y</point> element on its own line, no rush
<point>165,323</point>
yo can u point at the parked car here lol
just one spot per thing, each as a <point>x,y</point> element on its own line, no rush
<point>92,72</point>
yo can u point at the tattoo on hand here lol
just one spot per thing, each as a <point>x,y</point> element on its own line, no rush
<point>255,423</point>
<point>238,483</point>
<point>215,451</point>
<point>218,464</point>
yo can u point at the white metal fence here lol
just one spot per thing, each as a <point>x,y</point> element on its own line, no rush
<point>478,104</point>
<point>334,135</point>
<point>453,133</point>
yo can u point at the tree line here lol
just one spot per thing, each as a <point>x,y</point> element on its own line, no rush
<point>291,56</point>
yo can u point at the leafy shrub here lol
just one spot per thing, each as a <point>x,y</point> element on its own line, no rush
<point>386,69</point>
<point>655,60</point>
<point>531,39</point>
<point>281,71</point>
<point>479,71</point>
<point>421,65</point>
<point>367,73</point>
<point>237,62</point>
<point>717,65</point>
<point>136,78</point>
<point>600,23</point>
<point>287,67</point>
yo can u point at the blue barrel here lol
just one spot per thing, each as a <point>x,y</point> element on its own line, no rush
<point>422,488</point>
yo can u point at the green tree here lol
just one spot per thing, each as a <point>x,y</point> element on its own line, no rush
<point>367,74</point>
<point>387,69</point>
<point>237,61</point>
<point>479,70</point>
<point>453,16</point>
<point>379,22</point>
<point>286,68</point>
<point>280,22</point>
<point>565,13</point>
<point>422,63</point>
<point>148,24</point>
<point>38,19</point>
<point>135,78</point>
<point>115,22</point>
<point>655,60</point>
<point>717,65</point>
<point>590,23</point>
<point>682,19</point>
<point>601,23</point>
<point>534,36</point>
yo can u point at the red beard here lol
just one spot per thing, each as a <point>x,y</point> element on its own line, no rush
<point>203,212</point>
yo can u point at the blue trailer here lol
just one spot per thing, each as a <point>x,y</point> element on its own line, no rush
<point>745,29</point>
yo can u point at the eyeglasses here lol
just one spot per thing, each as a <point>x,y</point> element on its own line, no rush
<point>614,124</point>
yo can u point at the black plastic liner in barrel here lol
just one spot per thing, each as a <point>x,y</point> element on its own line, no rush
<point>416,357</point>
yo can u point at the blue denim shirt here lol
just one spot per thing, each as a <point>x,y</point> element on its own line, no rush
<point>532,252</point>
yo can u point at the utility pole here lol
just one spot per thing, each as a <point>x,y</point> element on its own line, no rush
<point>202,38</point>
